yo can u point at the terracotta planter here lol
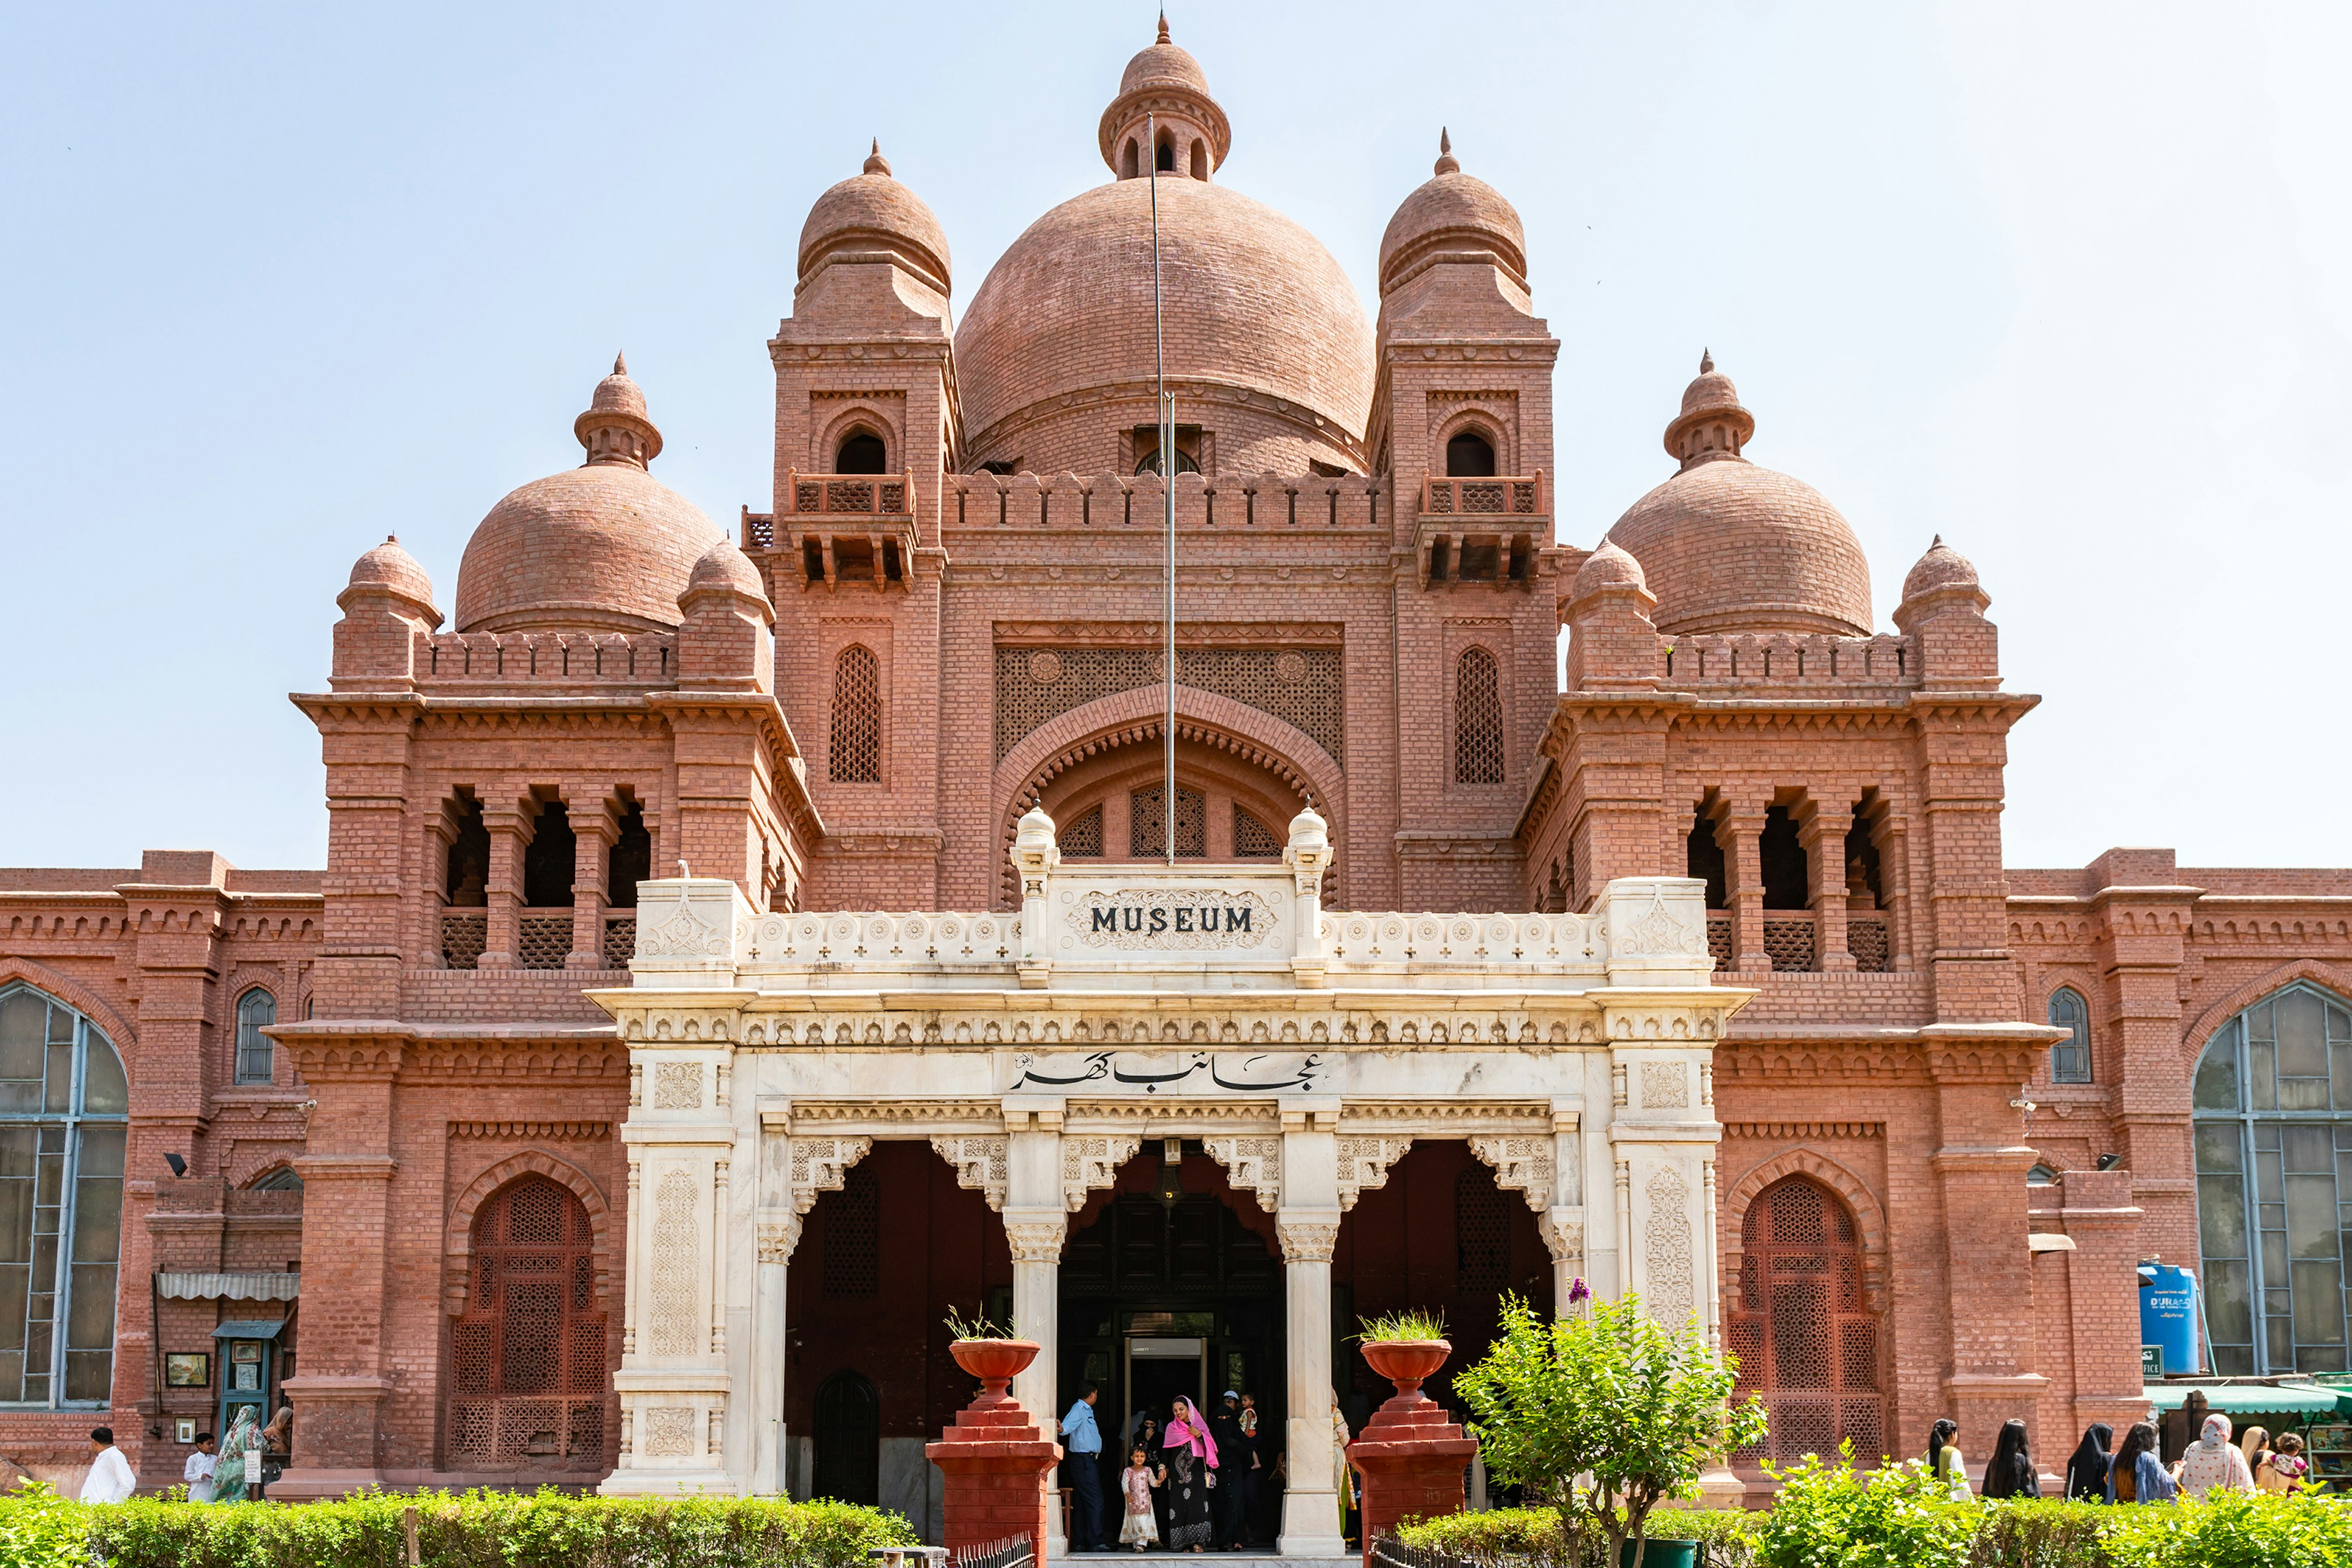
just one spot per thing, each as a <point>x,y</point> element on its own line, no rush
<point>1406,1363</point>
<point>996,1363</point>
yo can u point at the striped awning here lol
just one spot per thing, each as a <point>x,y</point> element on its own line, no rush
<point>229,1287</point>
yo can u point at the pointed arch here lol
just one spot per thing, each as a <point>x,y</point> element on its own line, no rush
<point>458,1233</point>
<point>1869,1218</point>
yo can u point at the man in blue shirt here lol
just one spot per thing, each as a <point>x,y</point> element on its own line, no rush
<point>1082,1445</point>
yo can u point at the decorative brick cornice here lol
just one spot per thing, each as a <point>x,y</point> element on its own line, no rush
<point>536,1132</point>
<point>1804,1129</point>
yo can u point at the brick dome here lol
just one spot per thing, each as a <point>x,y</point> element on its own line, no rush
<point>604,546</point>
<point>394,570</point>
<point>1255,304</point>
<point>1450,212</point>
<point>724,566</point>
<point>1166,80</point>
<point>871,212</point>
<point>1728,546</point>
<point>1941,567</point>
<point>1607,567</point>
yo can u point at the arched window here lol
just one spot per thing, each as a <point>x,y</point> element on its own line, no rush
<point>854,755</point>
<point>861,452</point>
<point>1082,837</point>
<point>1807,1343</point>
<point>64,1112</point>
<point>848,1439</point>
<point>1253,839</point>
<point>256,1011</point>
<point>2272,1105</point>
<point>1130,163</point>
<point>284,1179</point>
<point>1469,456</point>
<point>1200,160</point>
<point>1150,462</point>
<point>1478,718</point>
<point>2070,1059</point>
<point>1165,161</point>
<point>2041,1175</point>
<point>526,1359</point>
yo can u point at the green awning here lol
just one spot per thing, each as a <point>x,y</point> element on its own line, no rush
<point>2248,1398</point>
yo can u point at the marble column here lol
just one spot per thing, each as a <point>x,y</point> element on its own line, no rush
<point>779,1233</point>
<point>1308,1224</point>
<point>1036,1223</point>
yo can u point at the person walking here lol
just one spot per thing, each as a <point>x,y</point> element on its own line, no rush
<point>2284,1468</point>
<point>110,1478</point>
<point>1139,1529</point>
<point>240,1458</point>
<point>2254,1443</point>
<point>1944,1460</point>
<point>198,1471</point>
<point>2086,1470</point>
<point>1192,1470</point>
<point>2213,1463</point>
<point>2010,1472</point>
<point>2137,1475</point>
<point>1253,1477</point>
<point>1343,1475</point>
<point>1082,1447</point>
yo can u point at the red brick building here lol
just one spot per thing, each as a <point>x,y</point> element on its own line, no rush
<point>402,1118</point>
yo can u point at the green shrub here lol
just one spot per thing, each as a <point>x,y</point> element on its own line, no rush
<point>2048,1533</point>
<point>1827,1516</point>
<point>38,1528</point>
<point>490,1530</point>
<point>2234,1530</point>
<point>1533,1534</point>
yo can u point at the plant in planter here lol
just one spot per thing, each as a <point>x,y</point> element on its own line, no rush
<point>993,1352</point>
<point>1405,1347</point>
<point>1604,1413</point>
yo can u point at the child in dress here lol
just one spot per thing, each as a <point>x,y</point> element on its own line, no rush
<point>1135,1484</point>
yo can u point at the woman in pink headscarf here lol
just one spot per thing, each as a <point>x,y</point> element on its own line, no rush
<point>2213,1463</point>
<point>1192,1458</point>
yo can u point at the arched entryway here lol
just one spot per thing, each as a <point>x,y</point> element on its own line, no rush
<point>527,1357</point>
<point>1808,1343</point>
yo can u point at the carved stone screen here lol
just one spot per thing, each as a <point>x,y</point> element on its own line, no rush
<point>527,1381</point>
<point>1807,1343</point>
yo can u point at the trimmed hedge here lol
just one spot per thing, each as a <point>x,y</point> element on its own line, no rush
<point>476,1530</point>
<point>1833,1526</point>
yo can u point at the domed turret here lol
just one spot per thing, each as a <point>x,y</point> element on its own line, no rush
<point>1452,214</point>
<point>725,567</point>
<point>1942,567</point>
<point>1163,89</point>
<point>388,569</point>
<point>1728,546</point>
<point>601,547</point>
<point>870,215</point>
<point>1607,567</point>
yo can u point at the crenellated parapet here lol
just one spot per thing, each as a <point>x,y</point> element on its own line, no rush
<point>545,659</point>
<point>1347,503</point>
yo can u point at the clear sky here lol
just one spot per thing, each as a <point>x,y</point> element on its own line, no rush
<point>2069,283</point>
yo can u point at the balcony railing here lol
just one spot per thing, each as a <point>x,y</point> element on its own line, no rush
<point>542,937</point>
<point>1509,494</point>
<point>620,939</point>
<point>850,495</point>
<point>464,933</point>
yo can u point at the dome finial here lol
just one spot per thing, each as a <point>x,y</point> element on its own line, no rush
<point>875,163</point>
<point>1163,23</point>
<point>1707,362</point>
<point>620,363</point>
<point>1447,162</point>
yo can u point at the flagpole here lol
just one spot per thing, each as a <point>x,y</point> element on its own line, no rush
<point>1167,482</point>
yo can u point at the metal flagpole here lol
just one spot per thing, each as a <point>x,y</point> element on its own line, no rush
<point>1167,482</point>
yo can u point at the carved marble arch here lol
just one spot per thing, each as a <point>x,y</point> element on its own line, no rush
<point>458,1233</point>
<point>1101,752</point>
<point>1869,1221</point>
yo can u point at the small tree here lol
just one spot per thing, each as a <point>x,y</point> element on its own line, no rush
<point>1603,1413</point>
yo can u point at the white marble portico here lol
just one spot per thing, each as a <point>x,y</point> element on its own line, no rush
<point>1038,1051</point>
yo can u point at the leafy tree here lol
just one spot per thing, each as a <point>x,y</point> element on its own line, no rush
<point>1604,1413</point>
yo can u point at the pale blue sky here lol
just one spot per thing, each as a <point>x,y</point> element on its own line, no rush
<point>2069,283</point>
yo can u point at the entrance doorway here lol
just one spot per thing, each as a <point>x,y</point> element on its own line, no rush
<point>1157,1371</point>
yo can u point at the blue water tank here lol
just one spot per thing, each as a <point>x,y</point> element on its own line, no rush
<point>2167,1315</point>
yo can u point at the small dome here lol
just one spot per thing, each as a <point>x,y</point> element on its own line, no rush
<point>1452,211</point>
<point>601,547</point>
<point>395,570</point>
<point>725,566</point>
<point>1608,567</point>
<point>1728,546</point>
<point>872,212</point>
<point>1941,567</point>
<point>1163,64</point>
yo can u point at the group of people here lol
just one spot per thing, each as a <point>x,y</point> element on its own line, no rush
<point>2134,1473</point>
<point>1192,1482</point>
<point>226,1471</point>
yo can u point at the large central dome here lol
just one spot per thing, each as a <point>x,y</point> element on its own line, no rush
<point>1268,348</point>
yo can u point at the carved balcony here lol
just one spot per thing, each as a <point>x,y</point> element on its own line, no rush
<point>844,528</point>
<point>1482,529</point>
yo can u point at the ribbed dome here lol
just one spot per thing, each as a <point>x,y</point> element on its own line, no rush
<point>1728,546</point>
<point>395,570</point>
<point>1254,302</point>
<point>1452,211</point>
<point>602,547</point>
<point>872,212</point>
